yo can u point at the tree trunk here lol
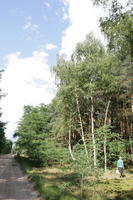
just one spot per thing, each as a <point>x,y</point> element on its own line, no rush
<point>81,125</point>
<point>131,149</point>
<point>69,145</point>
<point>122,125</point>
<point>92,132</point>
<point>105,138</point>
<point>131,146</point>
<point>132,103</point>
<point>129,131</point>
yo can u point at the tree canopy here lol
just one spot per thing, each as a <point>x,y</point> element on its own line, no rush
<point>5,145</point>
<point>92,112</point>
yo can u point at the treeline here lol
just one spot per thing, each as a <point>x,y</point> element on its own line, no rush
<point>91,117</point>
<point>5,144</point>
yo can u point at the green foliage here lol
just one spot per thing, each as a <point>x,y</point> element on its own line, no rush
<point>7,148</point>
<point>82,165</point>
<point>2,125</point>
<point>118,28</point>
<point>33,129</point>
<point>52,153</point>
<point>93,100</point>
<point>34,137</point>
<point>94,85</point>
<point>86,173</point>
<point>2,136</point>
<point>91,72</point>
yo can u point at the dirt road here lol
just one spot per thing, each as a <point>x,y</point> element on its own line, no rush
<point>14,185</point>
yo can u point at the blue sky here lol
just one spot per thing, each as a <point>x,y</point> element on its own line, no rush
<point>45,26</point>
<point>32,33</point>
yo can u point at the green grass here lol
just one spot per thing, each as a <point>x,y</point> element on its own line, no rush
<point>62,184</point>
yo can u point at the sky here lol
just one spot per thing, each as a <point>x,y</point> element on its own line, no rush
<point>32,34</point>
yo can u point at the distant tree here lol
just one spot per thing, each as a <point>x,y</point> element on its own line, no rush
<point>2,124</point>
<point>7,147</point>
<point>2,136</point>
<point>32,131</point>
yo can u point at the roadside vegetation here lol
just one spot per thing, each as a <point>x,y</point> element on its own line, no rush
<point>63,183</point>
<point>5,144</point>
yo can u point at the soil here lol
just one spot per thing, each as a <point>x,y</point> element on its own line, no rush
<point>14,184</point>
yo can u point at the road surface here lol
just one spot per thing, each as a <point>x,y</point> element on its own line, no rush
<point>14,185</point>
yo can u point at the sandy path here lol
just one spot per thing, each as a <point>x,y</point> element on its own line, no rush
<point>14,185</point>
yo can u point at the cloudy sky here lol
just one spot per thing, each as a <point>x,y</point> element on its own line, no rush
<point>33,33</point>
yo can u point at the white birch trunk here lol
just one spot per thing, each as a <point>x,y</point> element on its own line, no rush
<point>69,145</point>
<point>105,138</point>
<point>81,125</point>
<point>92,132</point>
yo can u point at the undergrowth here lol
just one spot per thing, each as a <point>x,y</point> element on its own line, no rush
<point>61,183</point>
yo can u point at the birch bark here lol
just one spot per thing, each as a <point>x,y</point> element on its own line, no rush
<point>69,145</point>
<point>105,137</point>
<point>81,125</point>
<point>92,132</point>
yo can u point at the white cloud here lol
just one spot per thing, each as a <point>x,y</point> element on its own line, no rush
<point>27,25</point>
<point>50,46</point>
<point>27,81</point>
<point>33,28</point>
<point>47,4</point>
<point>83,18</point>
<point>65,13</point>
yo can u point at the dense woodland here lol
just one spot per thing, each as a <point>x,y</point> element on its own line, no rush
<point>91,116</point>
<point>90,120</point>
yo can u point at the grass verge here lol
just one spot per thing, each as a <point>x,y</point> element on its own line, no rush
<point>61,183</point>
